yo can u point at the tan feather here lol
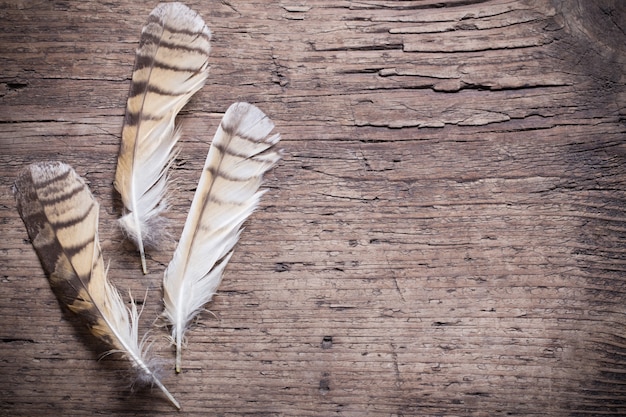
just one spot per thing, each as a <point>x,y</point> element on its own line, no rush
<point>170,66</point>
<point>241,152</point>
<point>61,217</point>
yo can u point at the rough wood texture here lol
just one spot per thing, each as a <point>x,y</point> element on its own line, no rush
<point>445,236</point>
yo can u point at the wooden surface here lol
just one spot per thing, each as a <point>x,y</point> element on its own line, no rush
<point>445,235</point>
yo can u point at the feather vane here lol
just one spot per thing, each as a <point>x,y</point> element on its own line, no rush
<point>61,217</point>
<point>171,65</point>
<point>228,192</point>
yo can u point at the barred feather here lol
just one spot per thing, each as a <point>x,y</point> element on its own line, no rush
<point>61,217</point>
<point>241,152</point>
<point>170,66</point>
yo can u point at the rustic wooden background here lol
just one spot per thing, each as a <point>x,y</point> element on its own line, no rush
<point>445,236</point>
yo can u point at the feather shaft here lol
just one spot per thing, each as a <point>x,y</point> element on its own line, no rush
<point>241,152</point>
<point>61,217</point>
<point>171,65</point>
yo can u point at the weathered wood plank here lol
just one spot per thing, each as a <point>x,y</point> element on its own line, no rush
<point>445,235</point>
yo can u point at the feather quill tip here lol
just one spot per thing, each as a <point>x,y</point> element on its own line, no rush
<point>144,235</point>
<point>169,396</point>
<point>145,369</point>
<point>148,377</point>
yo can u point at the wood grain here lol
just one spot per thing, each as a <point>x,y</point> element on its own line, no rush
<point>445,235</point>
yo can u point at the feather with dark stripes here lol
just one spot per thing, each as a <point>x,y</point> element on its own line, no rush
<point>170,66</point>
<point>241,152</point>
<point>61,217</point>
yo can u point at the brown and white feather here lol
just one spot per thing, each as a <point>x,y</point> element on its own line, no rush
<point>171,65</point>
<point>61,217</point>
<point>228,192</point>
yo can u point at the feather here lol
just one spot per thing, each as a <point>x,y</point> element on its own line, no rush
<point>61,217</point>
<point>241,152</point>
<point>170,66</point>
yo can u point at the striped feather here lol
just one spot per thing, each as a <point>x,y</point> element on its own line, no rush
<point>241,152</point>
<point>171,65</point>
<point>61,217</point>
